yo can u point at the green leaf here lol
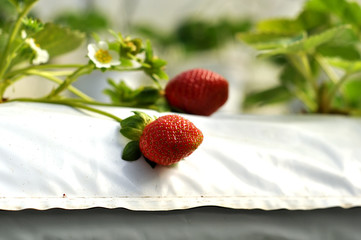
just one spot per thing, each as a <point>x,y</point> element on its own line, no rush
<point>160,74</point>
<point>148,51</point>
<point>119,92</point>
<point>117,36</point>
<point>276,94</point>
<point>346,11</point>
<point>89,20</point>
<point>96,37</point>
<point>292,78</point>
<point>131,151</point>
<point>23,3</point>
<point>336,35</point>
<point>147,95</point>
<point>313,20</point>
<point>58,40</point>
<point>28,2</point>
<point>334,6</point>
<point>152,65</point>
<point>15,2</point>
<point>142,97</point>
<point>347,52</point>
<point>162,105</point>
<point>158,63</point>
<point>115,46</point>
<point>282,26</point>
<point>352,14</point>
<point>262,40</point>
<point>124,62</point>
<point>348,66</point>
<point>3,40</point>
<point>352,93</point>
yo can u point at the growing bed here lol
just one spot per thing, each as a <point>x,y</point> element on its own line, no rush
<point>269,177</point>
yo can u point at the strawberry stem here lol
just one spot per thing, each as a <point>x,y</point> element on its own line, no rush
<point>70,104</point>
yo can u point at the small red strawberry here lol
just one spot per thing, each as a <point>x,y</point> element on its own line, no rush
<point>197,91</point>
<point>169,139</point>
<point>165,140</point>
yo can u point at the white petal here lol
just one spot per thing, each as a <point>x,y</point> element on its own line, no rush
<point>92,48</point>
<point>102,65</point>
<point>42,56</point>
<point>103,45</point>
<point>31,43</point>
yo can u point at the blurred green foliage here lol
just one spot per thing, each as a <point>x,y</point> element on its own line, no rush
<point>7,13</point>
<point>319,54</point>
<point>87,21</point>
<point>194,34</point>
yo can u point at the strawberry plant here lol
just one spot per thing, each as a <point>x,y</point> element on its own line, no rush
<point>318,53</point>
<point>27,47</point>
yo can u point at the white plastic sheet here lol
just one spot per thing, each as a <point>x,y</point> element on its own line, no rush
<point>57,157</point>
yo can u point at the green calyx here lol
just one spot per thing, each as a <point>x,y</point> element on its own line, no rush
<point>132,128</point>
<point>131,151</point>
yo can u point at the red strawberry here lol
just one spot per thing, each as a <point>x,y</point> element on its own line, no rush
<point>197,91</point>
<point>169,139</point>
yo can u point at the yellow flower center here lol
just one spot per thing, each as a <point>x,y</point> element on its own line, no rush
<point>103,56</point>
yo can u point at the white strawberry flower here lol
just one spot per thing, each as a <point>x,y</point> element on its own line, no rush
<point>101,56</point>
<point>41,55</point>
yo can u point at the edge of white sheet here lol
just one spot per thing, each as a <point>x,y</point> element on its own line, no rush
<point>54,156</point>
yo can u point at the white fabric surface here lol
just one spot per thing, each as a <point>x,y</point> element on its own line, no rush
<point>56,157</point>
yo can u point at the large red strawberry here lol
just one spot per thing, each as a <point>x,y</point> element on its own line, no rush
<point>169,139</point>
<point>165,140</point>
<point>197,91</point>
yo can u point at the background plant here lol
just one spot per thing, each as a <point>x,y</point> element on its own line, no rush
<point>87,21</point>
<point>194,34</point>
<point>319,54</point>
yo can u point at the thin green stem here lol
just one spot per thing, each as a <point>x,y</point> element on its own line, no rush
<point>302,65</point>
<point>327,69</point>
<point>70,104</point>
<point>59,81</point>
<point>331,95</point>
<point>45,66</point>
<point>95,110</point>
<point>155,80</point>
<point>96,103</point>
<point>311,105</point>
<point>59,73</point>
<point>70,79</point>
<point>308,72</point>
<point>121,69</point>
<point>4,58</point>
<point>3,86</point>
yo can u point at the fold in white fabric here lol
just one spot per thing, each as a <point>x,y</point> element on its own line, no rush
<point>53,156</point>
